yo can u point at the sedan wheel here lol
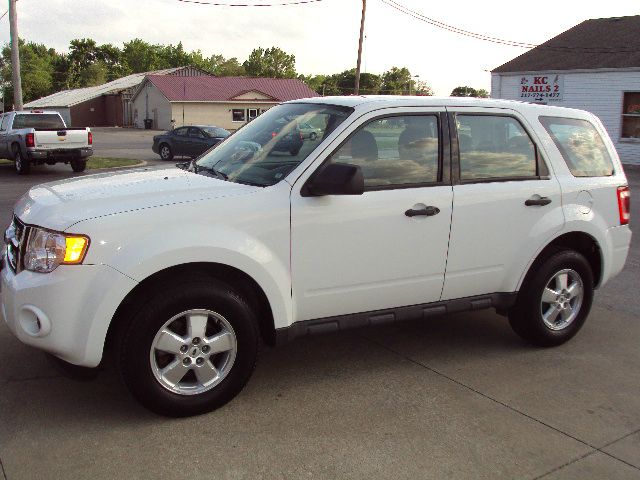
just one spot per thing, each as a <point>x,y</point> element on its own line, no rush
<point>165,152</point>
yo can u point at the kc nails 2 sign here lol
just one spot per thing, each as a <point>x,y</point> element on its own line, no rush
<point>541,88</point>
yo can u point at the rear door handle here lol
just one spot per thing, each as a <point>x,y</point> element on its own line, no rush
<point>540,201</point>
<point>429,211</point>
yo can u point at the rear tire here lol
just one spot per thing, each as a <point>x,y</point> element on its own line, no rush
<point>313,136</point>
<point>294,151</point>
<point>78,165</point>
<point>554,301</point>
<point>23,165</point>
<point>165,152</point>
<point>167,365</point>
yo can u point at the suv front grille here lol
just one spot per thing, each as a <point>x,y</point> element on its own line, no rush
<point>15,237</point>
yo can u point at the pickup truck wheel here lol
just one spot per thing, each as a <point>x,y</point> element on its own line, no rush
<point>165,152</point>
<point>23,166</point>
<point>554,300</point>
<point>78,165</point>
<point>191,351</point>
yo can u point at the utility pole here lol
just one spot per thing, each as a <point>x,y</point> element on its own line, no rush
<point>356,91</point>
<point>15,56</point>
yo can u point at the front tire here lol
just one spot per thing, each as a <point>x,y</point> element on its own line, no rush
<point>166,153</point>
<point>191,351</point>
<point>554,300</point>
<point>23,165</point>
<point>78,165</point>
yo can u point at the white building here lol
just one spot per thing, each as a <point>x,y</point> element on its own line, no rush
<point>594,66</point>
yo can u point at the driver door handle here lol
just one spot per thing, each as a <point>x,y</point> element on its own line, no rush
<point>426,211</point>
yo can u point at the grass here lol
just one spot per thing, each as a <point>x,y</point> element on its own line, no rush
<point>104,162</point>
<point>98,162</point>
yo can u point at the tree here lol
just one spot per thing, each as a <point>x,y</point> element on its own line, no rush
<point>140,56</point>
<point>397,81</point>
<point>272,62</point>
<point>469,92</point>
<point>37,65</point>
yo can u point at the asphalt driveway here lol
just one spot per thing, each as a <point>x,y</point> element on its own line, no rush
<point>456,397</point>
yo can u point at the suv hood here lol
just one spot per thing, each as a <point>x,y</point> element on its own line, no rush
<point>59,205</point>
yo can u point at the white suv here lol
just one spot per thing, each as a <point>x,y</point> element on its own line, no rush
<point>403,208</point>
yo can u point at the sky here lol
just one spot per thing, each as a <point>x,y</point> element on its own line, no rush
<point>323,36</point>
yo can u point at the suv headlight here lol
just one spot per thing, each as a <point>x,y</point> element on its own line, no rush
<point>46,250</point>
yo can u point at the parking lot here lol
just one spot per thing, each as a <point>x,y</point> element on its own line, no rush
<point>452,397</point>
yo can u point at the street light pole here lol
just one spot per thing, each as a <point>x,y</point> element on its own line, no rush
<point>15,56</point>
<point>356,91</point>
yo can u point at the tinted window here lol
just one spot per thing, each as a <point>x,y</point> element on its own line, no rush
<point>195,132</point>
<point>216,132</point>
<point>394,150</point>
<point>181,132</point>
<point>5,120</point>
<point>38,120</point>
<point>494,147</point>
<point>581,146</point>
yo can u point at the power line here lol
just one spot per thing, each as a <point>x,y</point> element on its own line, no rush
<point>487,38</point>
<point>451,28</point>
<point>276,4</point>
<point>1,17</point>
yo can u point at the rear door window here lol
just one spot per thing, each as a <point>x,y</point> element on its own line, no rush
<point>494,147</point>
<point>581,146</point>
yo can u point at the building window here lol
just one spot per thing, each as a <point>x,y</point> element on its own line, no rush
<point>238,115</point>
<point>631,115</point>
<point>253,113</point>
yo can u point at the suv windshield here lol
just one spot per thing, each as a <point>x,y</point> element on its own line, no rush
<point>265,150</point>
<point>38,120</point>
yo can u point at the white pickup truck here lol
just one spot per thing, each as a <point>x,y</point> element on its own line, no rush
<point>404,208</point>
<point>41,137</point>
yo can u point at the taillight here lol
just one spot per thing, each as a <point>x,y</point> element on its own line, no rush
<point>30,140</point>
<point>274,134</point>
<point>624,204</point>
<point>90,138</point>
<point>301,136</point>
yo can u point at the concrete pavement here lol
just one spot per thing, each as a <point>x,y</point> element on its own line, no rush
<point>458,397</point>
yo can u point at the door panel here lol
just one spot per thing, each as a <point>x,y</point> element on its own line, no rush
<point>353,254</point>
<point>494,234</point>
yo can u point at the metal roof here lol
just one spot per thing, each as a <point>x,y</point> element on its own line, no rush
<point>217,89</point>
<point>69,98</point>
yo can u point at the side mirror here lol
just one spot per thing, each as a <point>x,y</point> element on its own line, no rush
<point>183,165</point>
<point>335,179</point>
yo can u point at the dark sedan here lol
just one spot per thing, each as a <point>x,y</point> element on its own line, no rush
<point>189,141</point>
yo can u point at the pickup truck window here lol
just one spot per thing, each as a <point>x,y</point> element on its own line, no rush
<point>397,150</point>
<point>264,151</point>
<point>38,120</point>
<point>580,145</point>
<point>494,147</point>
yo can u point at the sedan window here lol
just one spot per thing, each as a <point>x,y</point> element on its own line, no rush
<point>180,132</point>
<point>196,132</point>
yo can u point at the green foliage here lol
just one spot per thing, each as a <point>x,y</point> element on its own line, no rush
<point>271,62</point>
<point>469,92</point>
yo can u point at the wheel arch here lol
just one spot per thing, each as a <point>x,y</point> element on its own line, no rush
<point>242,282</point>
<point>580,241</point>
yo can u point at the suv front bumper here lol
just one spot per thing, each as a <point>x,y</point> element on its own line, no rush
<point>66,312</point>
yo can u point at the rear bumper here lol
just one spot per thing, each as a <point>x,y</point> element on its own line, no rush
<point>60,155</point>
<point>618,241</point>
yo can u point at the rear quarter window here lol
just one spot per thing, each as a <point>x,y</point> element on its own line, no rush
<point>581,146</point>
